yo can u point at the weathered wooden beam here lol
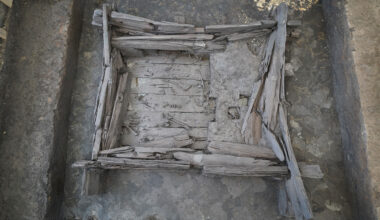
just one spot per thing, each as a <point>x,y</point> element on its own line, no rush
<point>123,163</point>
<point>257,171</point>
<point>106,37</point>
<point>166,37</point>
<point>240,150</point>
<point>176,141</point>
<point>222,160</point>
<point>117,150</point>
<point>232,28</point>
<point>172,45</point>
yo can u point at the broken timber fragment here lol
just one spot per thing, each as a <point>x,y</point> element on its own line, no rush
<point>240,150</point>
<point>117,150</point>
<point>272,139</point>
<point>246,171</point>
<point>222,160</point>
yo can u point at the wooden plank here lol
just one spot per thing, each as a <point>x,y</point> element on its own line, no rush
<point>123,163</point>
<point>106,37</point>
<point>257,171</point>
<point>161,150</point>
<point>168,86</point>
<point>240,150</point>
<point>170,71</point>
<point>171,45</point>
<point>176,141</point>
<point>273,142</point>
<point>199,145</point>
<point>97,142</point>
<point>271,91</point>
<point>172,103</point>
<point>220,160</point>
<point>244,36</point>
<point>114,128</point>
<point>149,119</point>
<point>117,150</point>
<point>169,58</point>
<point>143,135</point>
<point>231,28</point>
<point>166,37</point>
<point>7,2</point>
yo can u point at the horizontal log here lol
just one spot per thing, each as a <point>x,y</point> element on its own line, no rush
<point>117,150</point>
<point>167,37</point>
<point>246,171</point>
<point>222,160</point>
<point>232,28</point>
<point>161,150</point>
<point>123,163</point>
<point>171,45</point>
<point>240,150</point>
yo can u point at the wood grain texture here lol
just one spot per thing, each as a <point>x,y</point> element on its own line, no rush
<point>240,150</point>
<point>258,171</point>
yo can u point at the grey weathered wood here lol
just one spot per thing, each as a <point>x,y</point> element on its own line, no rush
<point>240,150</point>
<point>171,45</point>
<point>295,187</point>
<point>166,37</point>
<point>113,133</point>
<point>83,164</point>
<point>272,139</point>
<point>124,163</point>
<point>148,119</point>
<point>117,150</point>
<point>312,171</point>
<point>167,86</point>
<point>177,141</point>
<point>282,199</point>
<point>243,36</point>
<point>106,37</point>
<point>102,98</point>
<point>136,155</point>
<point>272,88</point>
<point>172,103</point>
<point>169,58</point>
<point>218,159</point>
<point>97,144</point>
<point>246,171</point>
<point>170,71</point>
<point>199,145</point>
<point>161,150</point>
<point>231,28</point>
<point>255,90</point>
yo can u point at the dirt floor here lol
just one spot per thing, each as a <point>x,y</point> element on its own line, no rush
<point>171,195</point>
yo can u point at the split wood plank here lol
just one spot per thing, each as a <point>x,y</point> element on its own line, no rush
<point>161,150</point>
<point>97,143</point>
<point>106,36</point>
<point>199,145</point>
<point>151,134</point>
<point>149,119</point>
<point>240,150</point>
<point>271,92</point>
<point>177,141</point>
<point>274,143</point>
<point>166,37</point>
<point>115,124</point>
<point>170,71</point>
<point>232,28</point>
<point>124,163</point>
<point>221,160</point>
<point>194,46</point>
<point>258,171</point>
<point>172,103</point>
<point>243,36</point>
<point>169,58</point>
<point>117,150</point>
<point>168,86</point>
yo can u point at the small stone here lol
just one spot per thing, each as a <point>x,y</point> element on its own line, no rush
<point>333,206</point>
